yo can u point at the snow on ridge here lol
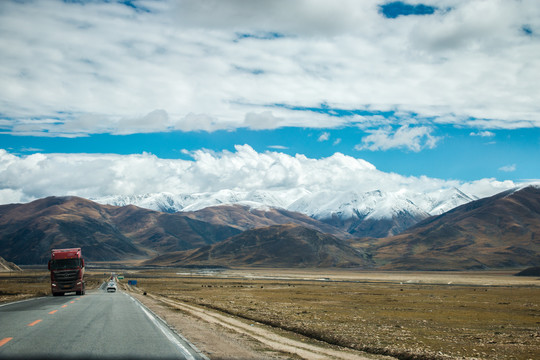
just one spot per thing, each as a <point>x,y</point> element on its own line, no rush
<point>370,205</point>
<point>320,205</point>
<point>167,202</point>
<point>443,200</point>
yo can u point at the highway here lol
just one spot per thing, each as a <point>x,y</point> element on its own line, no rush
<point>98,325</point>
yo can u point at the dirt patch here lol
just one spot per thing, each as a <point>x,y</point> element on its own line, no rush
<point>215,341</point>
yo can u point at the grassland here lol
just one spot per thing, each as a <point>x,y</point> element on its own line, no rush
<point>19,285</point>
<point>406,315</point>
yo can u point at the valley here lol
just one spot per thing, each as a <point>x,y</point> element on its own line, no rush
<point>261,313</point>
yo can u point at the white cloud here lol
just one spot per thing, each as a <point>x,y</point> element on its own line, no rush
<point>154,121</point>
<point>486,187</point>
<point>209,65</point>
<point>24,178</point>
<point>194,122</point>
<point>483,133</point>
<point>508,168</point>
<point>263,120</point>
<point>324,137</point>
<point>406,137</point>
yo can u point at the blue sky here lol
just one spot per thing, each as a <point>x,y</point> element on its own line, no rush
<point>502,154</point>
<point>443,89</point>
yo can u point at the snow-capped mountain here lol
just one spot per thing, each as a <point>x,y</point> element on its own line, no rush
<point>377,213</point>
<point>441,201</point>
<point>374,213</point>
<point>348,204</point>
<point>168,202</point>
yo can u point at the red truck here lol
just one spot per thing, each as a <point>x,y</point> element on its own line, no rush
<point>67,271</point>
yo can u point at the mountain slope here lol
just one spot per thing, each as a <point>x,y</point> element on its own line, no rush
<point>105,233</point>
<point>274,246</point>
<point>29,231</point>
<point>370,214</point>
<point>162,232</point>
<point>377,213</point>
<point>6,266</point>
<point>246,218</point>
<point>495,232</point>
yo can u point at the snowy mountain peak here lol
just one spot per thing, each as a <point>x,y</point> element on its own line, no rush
<point>375,204</point>
<point>373,213</point>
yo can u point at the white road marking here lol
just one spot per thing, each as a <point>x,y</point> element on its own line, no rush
<point>20,301</point>
<point>165,330</point>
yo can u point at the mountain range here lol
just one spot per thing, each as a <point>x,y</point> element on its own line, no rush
<point>105,233</point>
<point>501,231</point>
<point>288,245</point>
<point>496,232</point>
<point>372,214</point>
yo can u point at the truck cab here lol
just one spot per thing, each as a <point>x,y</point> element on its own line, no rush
<point>67,271</point>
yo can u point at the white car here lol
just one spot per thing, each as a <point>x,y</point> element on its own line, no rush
<point>111,287</point>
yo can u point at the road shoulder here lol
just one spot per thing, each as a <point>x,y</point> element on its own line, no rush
<point>221,336</point>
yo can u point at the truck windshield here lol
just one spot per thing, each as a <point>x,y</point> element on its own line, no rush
<point>65,264</point>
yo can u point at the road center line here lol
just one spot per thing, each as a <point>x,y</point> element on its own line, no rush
<point>64,306</point>
<point>5,341</point>
<point>34,323</point>
<point>72,302</point>
<point>52,312</point>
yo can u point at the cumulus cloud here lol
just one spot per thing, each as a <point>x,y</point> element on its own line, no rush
<point>486,187</point>
<point>406,137</point>
<point>209,65</point>
<point>24,178</point>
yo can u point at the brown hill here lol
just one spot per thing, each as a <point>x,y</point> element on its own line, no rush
<point>164,232</point>
<point>105,233</point>
<point>532,271</point>
<point>501,231</point>
<point>8,266</point>
<point>288,245</point>
<point>246,218</point>
<point>377,228</point>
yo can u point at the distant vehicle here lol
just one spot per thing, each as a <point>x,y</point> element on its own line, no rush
<point>67,271</point>
<point>111,287</point>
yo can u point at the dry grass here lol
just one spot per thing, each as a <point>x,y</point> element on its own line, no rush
<point>382,315</point>
<point>34,283</point>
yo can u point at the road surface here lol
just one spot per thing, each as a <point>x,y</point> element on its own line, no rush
<point>98,325</point>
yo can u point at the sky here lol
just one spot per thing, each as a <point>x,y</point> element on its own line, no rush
<point>100,98</point>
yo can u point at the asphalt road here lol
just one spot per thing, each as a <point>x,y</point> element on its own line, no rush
<point>98,325</point>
